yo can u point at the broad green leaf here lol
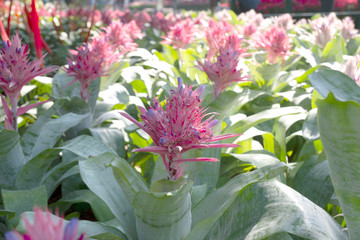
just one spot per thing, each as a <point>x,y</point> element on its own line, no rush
<point>11,157</point>
<point>19,201</point>
<point>163,215</point>
<point>113,137</point>
<point>310,129</point>
<point>343,87</point>
<point>128,179</point>
<point>99,177</point>
<point>207,212</point>
<point>352,46</point>
<point>101,211</point>
<point>267,208</point>
<point>33,172</point>
<point>250,121</point>
<point>58,174</point>
<point>334,50</point>
<point>340,136</point>
<point>114,74</point>
<point>313,181</point>
<point>50,133</point>
<point>86,146</point>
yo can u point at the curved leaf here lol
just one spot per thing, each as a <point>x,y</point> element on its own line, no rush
<point>340,135</point>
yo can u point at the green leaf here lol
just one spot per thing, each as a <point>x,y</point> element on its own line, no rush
<point>207,212</point>
<point>20,201</point>
<point>268,208</point>
<point>343,87</point>
<point>114,74</point>
<point>100,180</point>
<point>50,133</point>
<point>313,181</point>
<point>113,137</point>
<point>85,146</point>
<point>98,206</point>
<point>352,46</point>
<point>129,180</point>
<point>310,130</point>
<point>334,50</point>
<point>163,215</point>
<point>248,122</point>
<point>9,214</point>
<point>340,136</point>
<point>11,157</point>
<point>33,172</point>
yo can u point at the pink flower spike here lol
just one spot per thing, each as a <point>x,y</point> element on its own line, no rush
<point>275,42</point>
<point>181,34</point>
<point>46,228</point>
<point>178,127</point>
<point>16,71</point>
<point>224,71</point>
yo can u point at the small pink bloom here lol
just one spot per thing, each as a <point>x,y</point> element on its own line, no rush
<point>101,48</point>
<point>120,38</point>
<point>45,228</point>
<point>85,66</point>
<point>348,29</point>
<point>179,127</point>
<point>351,68</point>
<point>216,34</point>
<point>224,71</point>
<point>181,34</point>
<point>15,71</point>
<point>275,42</point>
<point>163,23</point>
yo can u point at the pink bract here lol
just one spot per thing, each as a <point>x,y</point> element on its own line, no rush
<point>46,228</point>
<point>15,71</point>
<point>275,42</point>
<point>223,72</point>
<point>179,127</point>
<point>181,34</point>
<point>85,66</point>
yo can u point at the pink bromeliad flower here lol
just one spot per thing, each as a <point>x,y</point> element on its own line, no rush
<point>224,71</point>
<point>99,46</point>
<point>45,228</point>
<point>178,128</point>
<point>120,37</point>
<point>15,71</point>
<point>85,66</point>
<point>181,34</point>
<point>275,42</point>
<point>216,34</point>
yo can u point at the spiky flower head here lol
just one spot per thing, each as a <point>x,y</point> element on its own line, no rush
<point>275,42</point>
<point>224,72</point>
<point>85,66</point>
<point>15,71</point>
<point>99,46</point>
<point>120,37</point>
<point>352,69</point>
<point>181,34</point>
<point>216,34</point>
<point>179,127</point>
<point>348,29</point>
<point>46,228</point>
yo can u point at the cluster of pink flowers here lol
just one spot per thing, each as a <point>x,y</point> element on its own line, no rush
<point>15,71</point>
<point>275,42</point>
<point>45,228</point>
<point>178,128</point>
<point>163,23</point>
<point>181,34</point>
<point>224,71</point>
<point>93,60</point>
<point>216,34</point>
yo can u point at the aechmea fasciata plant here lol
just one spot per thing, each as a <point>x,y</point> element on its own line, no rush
<point>178,127</point>
<point>275,42</point>
<point>181,34</point>
<point>85,66</point>
<point>15,71</point>
<point>46,228</point>
<point>224,71</point>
